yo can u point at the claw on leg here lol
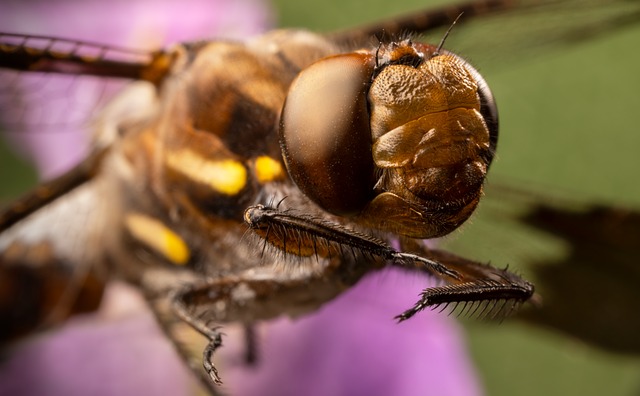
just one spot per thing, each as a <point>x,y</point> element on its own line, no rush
<point>207,355</point>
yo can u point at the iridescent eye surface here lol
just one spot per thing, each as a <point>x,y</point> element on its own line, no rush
<point>325,135</point>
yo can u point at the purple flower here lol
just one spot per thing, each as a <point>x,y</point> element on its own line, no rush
<point>351,346</point>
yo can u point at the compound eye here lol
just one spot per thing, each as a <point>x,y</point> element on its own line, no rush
<point>325,135</point>
<point>488,108</point>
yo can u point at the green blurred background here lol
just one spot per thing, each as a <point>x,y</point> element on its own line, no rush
<point>568,127</point>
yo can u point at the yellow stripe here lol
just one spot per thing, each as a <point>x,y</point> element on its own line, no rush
<point>152,233</point>
<point>268,169</point>
<point>224,176</point>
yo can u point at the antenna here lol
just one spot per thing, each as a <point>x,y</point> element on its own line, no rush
<point>446,34</point>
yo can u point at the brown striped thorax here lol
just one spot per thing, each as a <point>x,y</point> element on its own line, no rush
<point>397,137</point>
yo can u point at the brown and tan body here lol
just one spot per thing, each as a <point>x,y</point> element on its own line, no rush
<point>184,160</point>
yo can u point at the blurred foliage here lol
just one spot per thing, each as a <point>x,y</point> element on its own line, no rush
<point>16,175</point>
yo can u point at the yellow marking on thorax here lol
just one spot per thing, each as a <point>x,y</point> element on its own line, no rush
<point>154,234</point>
<point>225,176</point>
<point>268,169</point>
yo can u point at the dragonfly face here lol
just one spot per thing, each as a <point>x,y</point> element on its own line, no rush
<point>211,150</point>
<point>412,150</point>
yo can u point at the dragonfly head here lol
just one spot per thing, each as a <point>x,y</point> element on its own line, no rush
<point>399,138</point>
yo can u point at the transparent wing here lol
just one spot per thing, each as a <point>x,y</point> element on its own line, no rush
<point>538,28</point>
<point>582,255</point>
<point>51,89</point>
<point>49,83</point>
<point>499,32</point>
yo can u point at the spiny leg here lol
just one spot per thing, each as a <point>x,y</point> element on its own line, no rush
<point>304,235</point>
<point>213,334</point>
<point>477,283</point>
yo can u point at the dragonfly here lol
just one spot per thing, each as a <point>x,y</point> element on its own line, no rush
<point>258,211</point>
